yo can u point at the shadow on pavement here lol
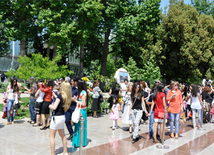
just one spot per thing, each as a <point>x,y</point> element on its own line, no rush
<point>19,121</point>
<point>1,126</point>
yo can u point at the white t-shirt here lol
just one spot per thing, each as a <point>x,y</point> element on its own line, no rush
<point>11,95</point>
<point>195,102</point>
<point>123,86</point>
<point>41,96</point>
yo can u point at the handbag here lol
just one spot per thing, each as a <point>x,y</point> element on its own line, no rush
<point>101,98</point>
<point>76,114</point>
<point>169,109</point>
<point>212,110</point>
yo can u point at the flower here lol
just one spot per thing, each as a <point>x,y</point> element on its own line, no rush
<point>85,79</point>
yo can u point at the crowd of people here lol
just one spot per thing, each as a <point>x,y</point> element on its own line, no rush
<point>136,100</point>
<point>180,103</point>
<point>60,98</point>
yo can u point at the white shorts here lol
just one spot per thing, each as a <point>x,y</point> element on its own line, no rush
<point>158,120</point>
<point>57,122</point>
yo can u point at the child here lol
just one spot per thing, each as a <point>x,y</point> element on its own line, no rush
<point>114,116</point>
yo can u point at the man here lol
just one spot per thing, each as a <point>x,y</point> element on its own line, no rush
<point>69,112</point>
<point>123,89</point>
<point>32,92</point>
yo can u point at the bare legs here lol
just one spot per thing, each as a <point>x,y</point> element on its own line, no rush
<point>43,120</point>
<point>52,140</point>
<point>64,140</point>
<point>38,119</point>
<point>94,114</point>
<point>155,130</point>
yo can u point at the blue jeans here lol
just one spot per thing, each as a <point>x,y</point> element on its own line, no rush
<point>9,106</point>
<point>31,109</point>
<point>199,116</point>
<point>68,115</point>
<point>174,118</point>
<point>151,122</point>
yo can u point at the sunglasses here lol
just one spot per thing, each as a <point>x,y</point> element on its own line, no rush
<point>138,87</point>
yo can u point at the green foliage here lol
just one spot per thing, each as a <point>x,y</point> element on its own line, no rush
<point>204,6</point>
<point>4,42</point>
<point>39,67</point>
<point>134,72</point>
<point>184,50</point>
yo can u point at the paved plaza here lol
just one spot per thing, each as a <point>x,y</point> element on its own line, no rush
<point>23,139</point>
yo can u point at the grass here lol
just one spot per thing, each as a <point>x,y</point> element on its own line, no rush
<point>23,111</point>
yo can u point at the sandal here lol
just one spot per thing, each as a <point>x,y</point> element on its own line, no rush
<point>155,141</point>
<point>43,128</point>
<point>35,125</point>
<point>172,135</point>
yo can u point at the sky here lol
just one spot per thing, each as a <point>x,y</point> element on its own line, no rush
<point>166,3</point>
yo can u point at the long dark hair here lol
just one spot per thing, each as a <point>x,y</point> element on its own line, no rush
<point>82,86</point>
<point>114,86</point>
<point>158,89</point>
<point>14,87</point>
<point>50,83</point>
<point>96,82</point>
<point>195,90</point>
<point>133,90</point>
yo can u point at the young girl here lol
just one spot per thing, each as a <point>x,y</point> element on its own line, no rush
<point>160,103</point>
<point>114,116</point>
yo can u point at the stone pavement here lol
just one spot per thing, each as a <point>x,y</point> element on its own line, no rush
<point>23,139</point>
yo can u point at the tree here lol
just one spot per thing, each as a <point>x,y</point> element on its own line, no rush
<point>4,42</point>
<point>204,6</point>
<point>134,72</point>
<point>39,67</point>
<point>19,19</point>
<point>68,24</point>
<point>137,30</point>
<point>184,50</point>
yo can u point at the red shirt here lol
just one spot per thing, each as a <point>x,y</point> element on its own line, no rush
<point>48,92</point>
<point>159,104</point>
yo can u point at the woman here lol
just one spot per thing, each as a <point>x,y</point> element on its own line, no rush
<point>195,101</point>
<point>146,94</point>
<point>60,106</point>
<point>38,108</point>
<point>126,119</point>
<point>207,101</point>
<point>96,93</point>
<point>32,92</point>
<point>174,97</point>
<point>137,106</point>
<point>160,104</point>
<point>46,103</point>
<point>11,95</point>
<point>114,92</point>
<point>82,101</point>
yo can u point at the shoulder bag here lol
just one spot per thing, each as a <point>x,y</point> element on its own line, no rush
<point>75,117</point>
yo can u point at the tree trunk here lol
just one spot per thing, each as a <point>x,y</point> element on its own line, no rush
<point>81,73</point>
<point>48,52</point>
<point>105,53</point>
<point>23,47</point>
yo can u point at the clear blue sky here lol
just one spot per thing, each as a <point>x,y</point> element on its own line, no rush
<point>166,3</point>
